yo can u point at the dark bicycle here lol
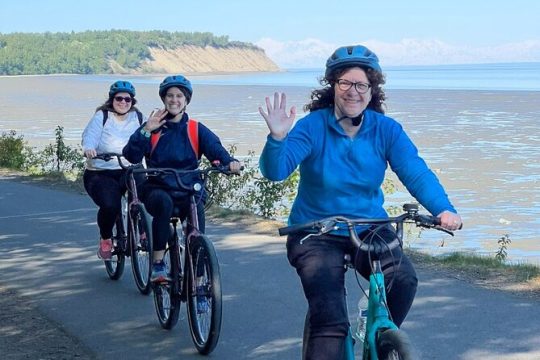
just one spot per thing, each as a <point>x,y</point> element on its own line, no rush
<point>193,266</point>
<point>132,235</point>
<point>383,340</point>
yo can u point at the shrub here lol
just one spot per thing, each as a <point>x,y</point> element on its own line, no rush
<point>12,150</point>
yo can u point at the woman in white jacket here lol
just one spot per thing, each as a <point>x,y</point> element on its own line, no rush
<point>108,132</point>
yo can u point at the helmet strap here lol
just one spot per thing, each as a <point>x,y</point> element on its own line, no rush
<point>356,121</point>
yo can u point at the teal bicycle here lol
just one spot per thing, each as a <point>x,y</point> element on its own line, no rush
<point>383,340</point>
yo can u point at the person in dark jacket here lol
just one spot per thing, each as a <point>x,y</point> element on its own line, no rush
<point>172,150</point>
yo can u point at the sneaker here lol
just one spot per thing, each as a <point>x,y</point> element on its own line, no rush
<point>202,300</point>
<point>105,249</point>
<point>143,241</point>
<point>159,272</point>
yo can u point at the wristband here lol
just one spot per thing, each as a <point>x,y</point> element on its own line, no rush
<point>145,133</point>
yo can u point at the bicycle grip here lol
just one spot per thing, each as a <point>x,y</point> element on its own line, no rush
<point>296,228</point>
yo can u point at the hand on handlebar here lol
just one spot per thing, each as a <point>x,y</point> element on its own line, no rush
<point>90,153</point>
<point>450,221</point>
<point>235,167</point>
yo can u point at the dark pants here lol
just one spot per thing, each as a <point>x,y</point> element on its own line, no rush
<point>106,188</point>
<point>161,205</point>
<point>319,262</point>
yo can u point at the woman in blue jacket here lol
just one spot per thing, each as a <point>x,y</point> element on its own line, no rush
<point>173,150</point>
<point>343,147</point>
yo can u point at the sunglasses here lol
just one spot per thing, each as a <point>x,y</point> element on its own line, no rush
<point>127,99</point>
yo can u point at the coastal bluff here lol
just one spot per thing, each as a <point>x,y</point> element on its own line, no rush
<point>128,52</point>
<point>208,59</point>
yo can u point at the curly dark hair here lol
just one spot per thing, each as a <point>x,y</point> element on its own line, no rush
<point>108,105</point>
<point>324,98</point>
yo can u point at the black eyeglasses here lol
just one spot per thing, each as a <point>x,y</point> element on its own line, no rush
<point>127,99</point>
<point>345,85</point>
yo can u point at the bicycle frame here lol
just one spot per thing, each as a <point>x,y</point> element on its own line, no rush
<point>378,317</point>
<point>382,334</point>
<point>194,268</point>
<point>135,228</point>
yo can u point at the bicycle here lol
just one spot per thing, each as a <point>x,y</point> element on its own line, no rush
<point>137,241</point>
<point>383,339</point>
<point>193,266</point>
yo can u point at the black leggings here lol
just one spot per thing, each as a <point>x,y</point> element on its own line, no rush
<point>319,262</point>
<point>160,205</point>
<point>106,188</point>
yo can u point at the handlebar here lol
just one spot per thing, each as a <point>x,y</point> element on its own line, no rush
<point>110,156</point>
<point>178,174</point>
<point>326,225</point>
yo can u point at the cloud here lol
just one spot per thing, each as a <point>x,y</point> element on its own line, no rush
<point>312,53</point>
<point>308,53</point>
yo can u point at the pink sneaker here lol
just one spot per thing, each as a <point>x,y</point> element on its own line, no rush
<point>105,249</point>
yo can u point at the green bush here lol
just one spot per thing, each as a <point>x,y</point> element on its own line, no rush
<point>56,158</point>
<point>251,192</point>
<point>12,150</point>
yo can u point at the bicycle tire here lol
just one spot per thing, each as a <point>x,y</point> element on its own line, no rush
<point>167,294</point>
<point>140,240</point>
<point>394,345</point>
<point>115,266</point>
<point>205,322</point>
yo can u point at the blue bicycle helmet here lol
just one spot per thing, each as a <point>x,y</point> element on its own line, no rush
<point>178,81</point>
<point>348,56</point>
<point>122,86</point>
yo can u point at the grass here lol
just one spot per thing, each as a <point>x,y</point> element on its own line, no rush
<point>484,271</point>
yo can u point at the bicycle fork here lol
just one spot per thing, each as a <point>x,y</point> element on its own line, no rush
<point>378,318</point>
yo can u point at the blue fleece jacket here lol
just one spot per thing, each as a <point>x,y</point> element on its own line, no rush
<point>343,176</point>
<point>173,150</point>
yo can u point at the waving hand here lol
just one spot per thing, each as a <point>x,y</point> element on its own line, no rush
<point>276,116</point>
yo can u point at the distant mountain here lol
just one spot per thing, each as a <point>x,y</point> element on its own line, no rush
<point>127,52</point>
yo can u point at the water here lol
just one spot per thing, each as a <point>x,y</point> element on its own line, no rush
<point>477,127</point>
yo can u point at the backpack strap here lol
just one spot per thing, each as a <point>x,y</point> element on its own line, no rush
<point>193,136</point>
<point>154,138</point>
<point>106,116</point>
<point>139,116</point>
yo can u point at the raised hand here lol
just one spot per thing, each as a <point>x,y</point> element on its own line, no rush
<point>155,120</point>
<point>276,116</point>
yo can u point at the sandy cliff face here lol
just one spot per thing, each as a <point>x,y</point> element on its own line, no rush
<point>194,59</point>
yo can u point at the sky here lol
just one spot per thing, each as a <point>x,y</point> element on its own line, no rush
<point>304,33</point>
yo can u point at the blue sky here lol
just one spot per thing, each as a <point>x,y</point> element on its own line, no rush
<point>300,33</point>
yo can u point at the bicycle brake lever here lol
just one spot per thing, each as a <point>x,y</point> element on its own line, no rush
<point>323,230</point>
<point>307,237</point>
<point>444,230</point>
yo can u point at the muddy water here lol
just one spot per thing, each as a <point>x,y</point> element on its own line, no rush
<point>484,145</point>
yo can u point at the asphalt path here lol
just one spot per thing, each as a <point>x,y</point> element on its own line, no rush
<point>48,241</point>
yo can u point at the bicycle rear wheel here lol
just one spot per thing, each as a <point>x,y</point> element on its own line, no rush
<point>140,240</point>
<point>167,294</point>
<point>115,266</point>
<point>204,306</point>
<point>394,345</point>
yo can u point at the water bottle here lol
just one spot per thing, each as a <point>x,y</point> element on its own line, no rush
<point>360,333</point>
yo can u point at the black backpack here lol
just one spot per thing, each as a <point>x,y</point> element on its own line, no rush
<point>106,116</point>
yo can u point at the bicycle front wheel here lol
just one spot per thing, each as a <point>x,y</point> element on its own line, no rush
<point>204,297</point>
<point>140,240</point>
<point>167,294</point>
<point>394,345</point>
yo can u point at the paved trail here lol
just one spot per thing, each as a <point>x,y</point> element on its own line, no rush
<point>48,240</point>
